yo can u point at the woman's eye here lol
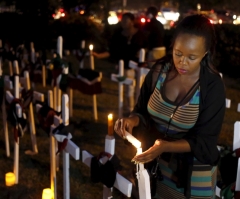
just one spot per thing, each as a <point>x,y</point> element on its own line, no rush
<point>178,55</point>
<point>192,58</point>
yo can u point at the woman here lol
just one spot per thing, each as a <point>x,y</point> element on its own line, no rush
<point>182,106</point>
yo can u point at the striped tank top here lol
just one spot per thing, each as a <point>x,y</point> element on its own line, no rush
<point>161,109</point>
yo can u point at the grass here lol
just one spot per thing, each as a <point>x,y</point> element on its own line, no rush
<point>34,171</point>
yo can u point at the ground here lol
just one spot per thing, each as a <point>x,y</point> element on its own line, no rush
<point>34,171</point>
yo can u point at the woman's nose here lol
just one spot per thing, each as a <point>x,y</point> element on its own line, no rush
<point>183,60</point>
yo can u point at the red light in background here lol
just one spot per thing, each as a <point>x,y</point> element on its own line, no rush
<point>53,15</point>
<point>143,20</point>
<point>61,10</point>
<point>148,20</point>
<point>172,23</point>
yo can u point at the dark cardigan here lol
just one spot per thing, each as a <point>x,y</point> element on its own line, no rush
<point>203,136</point>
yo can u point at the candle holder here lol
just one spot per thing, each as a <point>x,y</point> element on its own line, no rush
<point>10,179</point>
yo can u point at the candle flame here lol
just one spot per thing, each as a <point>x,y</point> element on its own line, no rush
<point>110,116</point>
<point>90,47</point>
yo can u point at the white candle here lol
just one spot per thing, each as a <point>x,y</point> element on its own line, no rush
<point>110,124</point>
<point>47,193</point>
<point>83,44</point>
<point>60,46</point>
<point>10,179</point>
<point>91,57</point>
<point>0,67</point>
<point>121,68</point>
<point>142,55</point>
<point>238,109</point>
<point>228,103</point>
<point>133,140</point>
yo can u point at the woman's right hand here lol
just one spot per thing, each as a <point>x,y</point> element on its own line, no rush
<point>126,124</point>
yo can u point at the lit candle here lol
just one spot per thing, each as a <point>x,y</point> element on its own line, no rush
<point>90,47</point>
<point>47,193</point>
<point>10,179</point>
<point>141,55</point>
<point>83,44</point>
<point>91,57</point>
<point>133,140</point>
<point>121,68</point>
<point>110,124</point>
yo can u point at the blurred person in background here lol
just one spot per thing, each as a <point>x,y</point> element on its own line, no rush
<point>154,31</point>
<point>125,45</point>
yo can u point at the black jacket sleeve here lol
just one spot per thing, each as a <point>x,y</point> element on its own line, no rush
<point>204,135</point>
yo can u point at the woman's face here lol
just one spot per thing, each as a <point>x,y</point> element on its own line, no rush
<point>188,51</point>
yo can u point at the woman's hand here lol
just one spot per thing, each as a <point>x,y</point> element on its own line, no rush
<point>125,124</point>
<point>147,156</point>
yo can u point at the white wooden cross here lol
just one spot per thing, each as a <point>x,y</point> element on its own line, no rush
<point>32,52</point>
<point>95,114</point>
<point>56,90</point>
<point>31,117</point>
<point>71,148</point>
<point>236,145</point>
<point>126,81</point>
<point>52,150</point>
<point>141,72</point>
<point>121,183</point>
<point>82,47</point>
<point>7,85</point>
<point>9,98</point>
<point>10,68</point>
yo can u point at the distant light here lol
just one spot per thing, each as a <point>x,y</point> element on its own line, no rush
<point>234,16</point>
<point>53,15</point>
<point>220,21</point>
<point>63,14</point>
<point>61,10</point>
<point>162,20</point>
<point>172,23</point>
<point>113,19</point>
<point>81,12</point>
<point>143,20</point>
<point>148,20</point>
<point>211,21</point>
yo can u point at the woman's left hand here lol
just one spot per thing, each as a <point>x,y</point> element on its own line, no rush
<point>150,154</point>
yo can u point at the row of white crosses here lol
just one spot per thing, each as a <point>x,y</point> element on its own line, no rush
<point>126,81</point>
<point>141,72</point>
<point>122,184</point>
<point>25,82</point>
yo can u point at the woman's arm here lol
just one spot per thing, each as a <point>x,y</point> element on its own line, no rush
<point>101,55</point>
